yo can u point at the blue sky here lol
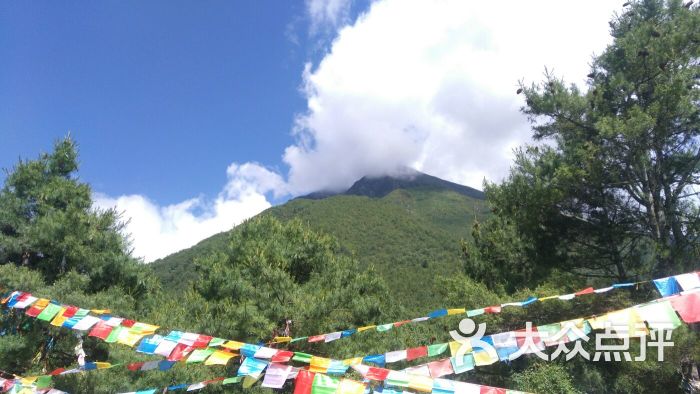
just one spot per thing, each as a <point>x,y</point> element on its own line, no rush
<point>194,115</point>
<point>160,95</point>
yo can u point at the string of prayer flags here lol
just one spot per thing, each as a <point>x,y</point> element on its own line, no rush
<point>666,286</point>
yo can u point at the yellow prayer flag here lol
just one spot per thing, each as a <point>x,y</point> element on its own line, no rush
<point>420,383</point>
<point>29,380</point>
<point>281,339</point>
<point>319,364</point>
<point>102,365</point>
<point>348,386</point>
<point>547,298</point>
<point>59,319</point>
<point>144,328</point>
<point>250,380</point>
<point>233,345</point>
<point>219,357</point>
<point>626,323</point>
<point>485,357</point>
<point>455,346</point>
<point>458,311</point>
<point>100,311</point>
<point>129,338</point>
<point>352,361</point>
<point>365,328</point>
<point>41,303</point>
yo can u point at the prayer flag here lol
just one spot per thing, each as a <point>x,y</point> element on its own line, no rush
<point>688,306</point>
<point>265,352</point>
<point>324,384</point>
<point>304,382</point>
<point>686,281</point>
<point>385,327</point>
<point>416,352</point>
<point>150,344</point>
<point>437,349</point>
<point>443,386</point>
<point>437,313</point>
<point>282,356</point>
<point>49,312</point>
<point>38,306</point>
<point>251,367</point>
<point>463,364</point>
<point>337,367</point>
<point>86,323</point>
<point>319,364</point>
<point>276,375</point>
<point>659,315</point>
<point>199,355</point>
<point>165,347</point>
<point>397,379</point>
<point>398,355</point>
<point>667,286</point>
<point>505,344</point>
<point>302,357</point>
<point>458,311</point>
<point>378,359</point>
<point>249,349</point>
<point>333,336</point>
<point>348,386</point>
<point>420,383</point>
<point>100,330</point>
<point>219,357</point>
<point>440,368</point>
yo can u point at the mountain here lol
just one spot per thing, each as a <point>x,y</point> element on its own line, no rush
<point>408,228</point>
<point>410,179</point>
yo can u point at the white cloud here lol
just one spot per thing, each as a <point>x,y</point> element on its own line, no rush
<point>157,231</point>
<point>431,85</point>
<point>327,14</point>
<point>428,84</point>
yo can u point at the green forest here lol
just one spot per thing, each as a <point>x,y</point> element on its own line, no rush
<point>607,193</point>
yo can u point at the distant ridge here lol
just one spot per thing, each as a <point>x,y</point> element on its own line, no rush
<point>378,187</point>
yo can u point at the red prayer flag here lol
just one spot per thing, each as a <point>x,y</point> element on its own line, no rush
<point>317,338</point>
<point>492,390</point>
<point>70,311</point>
<point>416,352</point>
<point>440,368</point>
<point>34,311</point>
<point>134,366</point>
<point>101,330</point>
<point>493,309</point>
<point>57,371</point>
<point>282,356</point>
<point>401,323</point>
<point>179,352</point>
<point>588,290</point>
<point>375,373</point>
<point>128,323</point>
<point>202,341</point>
<point>303,382</point>
<point>688,306</point>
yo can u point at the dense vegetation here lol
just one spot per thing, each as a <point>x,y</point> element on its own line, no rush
<point>609,196</point>
<point>410,233</point>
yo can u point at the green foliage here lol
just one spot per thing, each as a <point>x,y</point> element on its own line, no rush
<point>409,234</point>
<point>274,272</point>
<point>611,192</point>
<point>47,223</point>
<point>546,378</point>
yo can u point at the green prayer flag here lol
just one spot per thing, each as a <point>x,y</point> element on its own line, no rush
<point>385,327</point>
<point>49,312</point>
<point>475,312</point>
<point>199,355</point>
<point>398,379</point>
<point>324,384</point>
<point>235,379</point>
<point>298,339</point>
<point>81,312</point>
<point>437,349</point>
<point>216,342</point>
<point>115,334</point>
<point>43,382</point>
<point>302,357</point>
